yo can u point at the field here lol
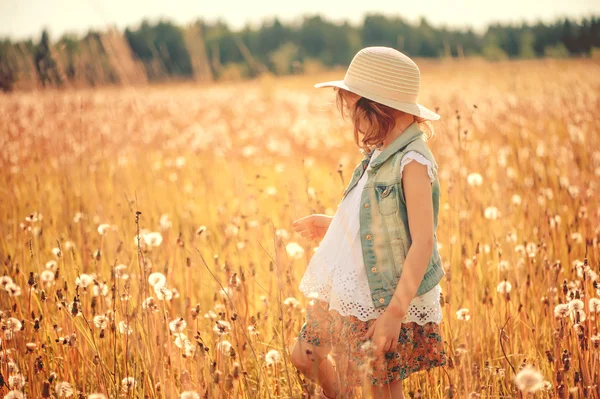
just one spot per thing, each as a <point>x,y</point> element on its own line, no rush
<point>147,248</point>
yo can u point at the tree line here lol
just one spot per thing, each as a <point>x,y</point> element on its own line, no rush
<point>162,51</point>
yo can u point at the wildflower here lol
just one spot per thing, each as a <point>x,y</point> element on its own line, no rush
<point>594,305</point>
<point>16,381</point>
<point>272,357</point>
<point>103,228</point>
<point>128,384</point>
<point>272,191</point>
<point>124,328</point>
<point>210,315</point>
<point>77,218</point>
<point>503,266</point>
<point>561,310</point>
<point>177,325</point>
<point>226,292</point>
<point>51,264</point>
<point>576,304</point>
<point>463,314</point>
<point>150,304</point>
<point>294,250</point>
<point>101,321</point>
<point>491,213</point>
<point>56,251</point>
<point>5,280</point>
<point>291,301</point>
<point>504,287</point>
<point>474,179</point>
<point>529,380</point>
<point>13,324</point>
<point>153,239</point>
<point>47,276</point>
<point>224,346</point>
<point>13,289</point>
<point>252,330</point>
<point>119,271</point>
<point>96,396</point>
<point>283,234</point>
<point>100,289</point>
<point>63,389</point>
<point>163,293</point>
<point>221,327</point>
<point>84,280</point>
<point>516,199</point>
<point>157,279</point>
<point>531,249</point>
<point>14,395</point>
<point>201,230</point>
<point>165,222</point>
<point>231,230</point>
<point>190,395</point>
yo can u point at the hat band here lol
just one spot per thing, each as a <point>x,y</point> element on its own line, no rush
<point>378,91</point>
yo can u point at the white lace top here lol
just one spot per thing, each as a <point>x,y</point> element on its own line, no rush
<point>336,272</point>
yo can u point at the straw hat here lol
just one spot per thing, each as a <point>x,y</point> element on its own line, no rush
<point>387,76</point>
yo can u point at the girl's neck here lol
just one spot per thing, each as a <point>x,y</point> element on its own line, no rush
<point>402,122</point>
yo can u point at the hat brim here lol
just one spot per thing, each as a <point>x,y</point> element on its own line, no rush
<point>413,109</point>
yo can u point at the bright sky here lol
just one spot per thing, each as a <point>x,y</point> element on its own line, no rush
<point>26,18</point>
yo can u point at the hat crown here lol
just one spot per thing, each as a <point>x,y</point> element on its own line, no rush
<point>385,72</point>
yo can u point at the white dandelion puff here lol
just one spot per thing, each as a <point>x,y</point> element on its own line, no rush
<point>177,325</point>
<point>474,179</point>
<point>504,287</point>
<point>491,213</point>
<point>157,279</point>
<point>272,357</point>
<point>529,380</point>
<point>103,229</point>
<point>294,250</point>
<point>128,384</point>
<point>64,390</point>
<point>463,314</point>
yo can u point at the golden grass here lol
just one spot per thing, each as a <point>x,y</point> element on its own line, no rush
<point>246,159</point>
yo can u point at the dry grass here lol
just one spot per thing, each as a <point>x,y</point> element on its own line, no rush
<point>218,173</point>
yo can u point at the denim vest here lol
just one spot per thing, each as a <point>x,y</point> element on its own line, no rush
<point>384,233</point>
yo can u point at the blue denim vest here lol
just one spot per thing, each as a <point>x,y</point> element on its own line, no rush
<point>384,233</point>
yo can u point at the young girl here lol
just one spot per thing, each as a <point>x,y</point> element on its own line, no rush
<point>375,314</point>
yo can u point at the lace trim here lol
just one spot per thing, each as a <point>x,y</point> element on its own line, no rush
<point>415,156</point>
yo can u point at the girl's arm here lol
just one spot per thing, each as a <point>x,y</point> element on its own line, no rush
<point>417,192</point>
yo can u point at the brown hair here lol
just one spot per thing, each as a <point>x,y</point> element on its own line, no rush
<point>374,120</point>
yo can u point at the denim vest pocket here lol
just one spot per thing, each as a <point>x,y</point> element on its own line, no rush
<point>387,197</point>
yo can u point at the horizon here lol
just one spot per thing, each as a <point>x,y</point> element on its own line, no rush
<point>27,19</point>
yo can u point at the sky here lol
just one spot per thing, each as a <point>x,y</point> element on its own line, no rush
<point>20,19</point>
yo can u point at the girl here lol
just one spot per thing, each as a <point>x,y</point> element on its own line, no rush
<point>375,313</point>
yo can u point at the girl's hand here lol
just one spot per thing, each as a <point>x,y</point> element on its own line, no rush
<point>384,332</point>
<point>313,226</point>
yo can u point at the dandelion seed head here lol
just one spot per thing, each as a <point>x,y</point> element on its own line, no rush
<point>13,289</point>
<point>529,380</point>
<point>103,229</point>
<point>292,302</point>
<point>64,390</point>
<point>491,213</point>
<point>474,179</point>
<point>96,396</point>
<point>272,357</point>
<point>504,287</point>
<point>14,395</point>
<point>157,279</point>
<point>222,327</point>
<point>16,381</point>
<point>177,325</point>
<point>47,276</point>
<point>463,314</point>
<point>190,395</point>
<point>561,310</point>
<point>128,384</point>
<point>294,250</point>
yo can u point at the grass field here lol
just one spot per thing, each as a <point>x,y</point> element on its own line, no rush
<point>210,178</point>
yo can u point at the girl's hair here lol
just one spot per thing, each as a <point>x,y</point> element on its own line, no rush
<point>374,120</point>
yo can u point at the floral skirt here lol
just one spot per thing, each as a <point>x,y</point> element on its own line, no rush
<point>419,347</point>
